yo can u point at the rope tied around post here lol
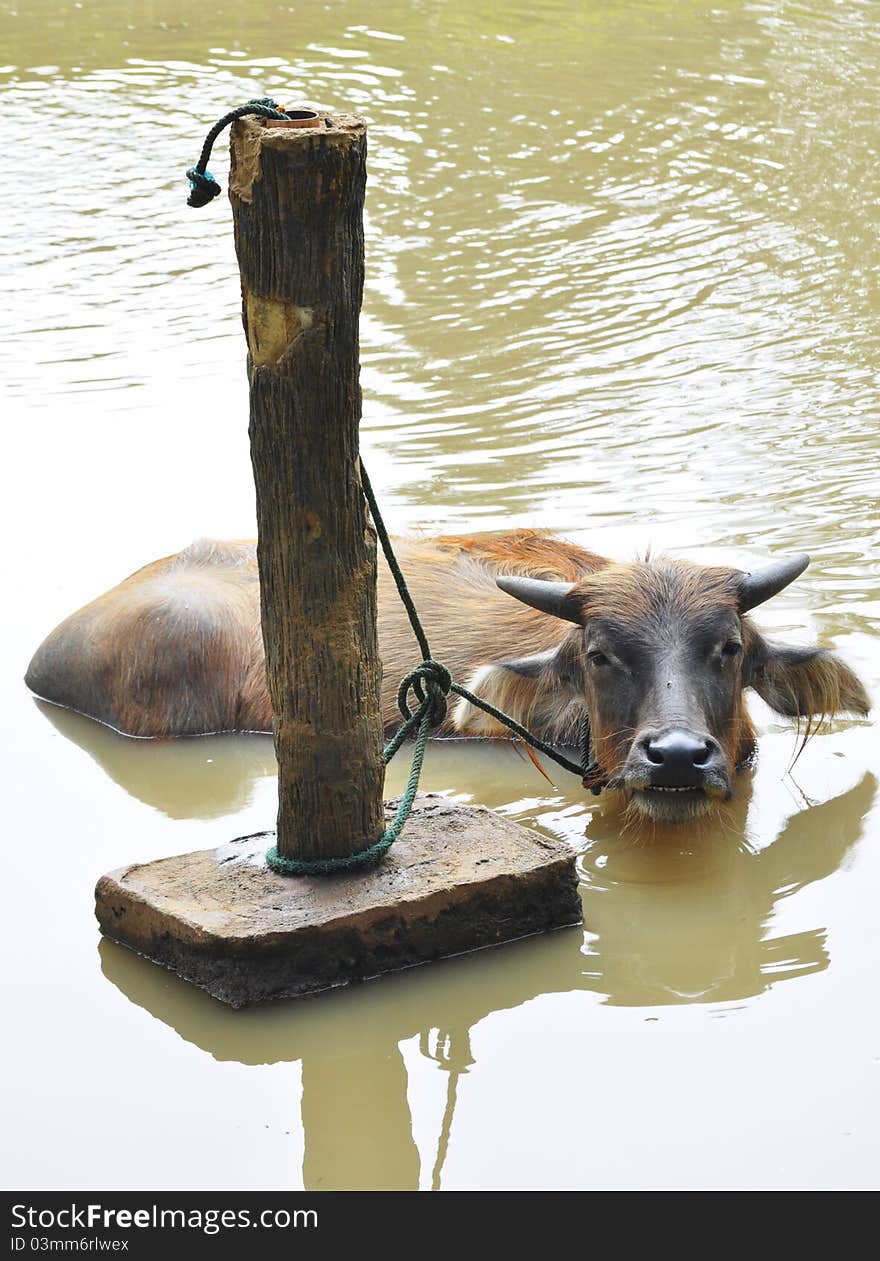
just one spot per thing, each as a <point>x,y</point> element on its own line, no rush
<point>430,683</point>
<point>430,713</point>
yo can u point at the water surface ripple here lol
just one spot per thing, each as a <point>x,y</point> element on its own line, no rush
<point>622,282</point>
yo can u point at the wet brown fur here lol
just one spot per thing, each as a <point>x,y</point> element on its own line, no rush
<point>176,648</point>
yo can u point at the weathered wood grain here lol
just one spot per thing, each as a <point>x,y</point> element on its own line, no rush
<point>297,201</point>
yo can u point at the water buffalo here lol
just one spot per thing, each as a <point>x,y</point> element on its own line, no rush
<point>657,652</point>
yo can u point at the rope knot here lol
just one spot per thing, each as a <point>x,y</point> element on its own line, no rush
<point>594,778</point>
<point>203,187</point>
<point>430,683</point>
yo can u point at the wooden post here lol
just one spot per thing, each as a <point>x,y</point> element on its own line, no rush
<point>297,202</point>
<point>461,878</point>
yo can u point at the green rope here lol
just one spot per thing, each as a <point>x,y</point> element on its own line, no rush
<point>430,682</point>
<point>424,718</point>
<point>202,185</point>
<point>581,770</point>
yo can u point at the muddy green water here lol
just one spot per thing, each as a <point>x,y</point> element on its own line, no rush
<point>623,283</point>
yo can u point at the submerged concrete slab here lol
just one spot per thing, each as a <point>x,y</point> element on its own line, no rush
<point>460,878</point>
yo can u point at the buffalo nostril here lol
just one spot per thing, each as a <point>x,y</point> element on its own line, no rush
<point>702,755</point>
<point>654,753</point>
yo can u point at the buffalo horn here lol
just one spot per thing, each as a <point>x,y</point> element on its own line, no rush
<point>760,585</point>
<point>549,597</point>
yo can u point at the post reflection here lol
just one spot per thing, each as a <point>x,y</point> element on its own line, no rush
<point>356,1117</point>
<point>451,1051</point>
<point>664,925</point>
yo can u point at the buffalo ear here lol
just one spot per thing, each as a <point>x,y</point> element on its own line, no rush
<point>803,682</point>
<point>540,691</point>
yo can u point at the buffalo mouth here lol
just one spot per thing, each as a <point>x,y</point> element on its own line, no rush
<point>667,804</point>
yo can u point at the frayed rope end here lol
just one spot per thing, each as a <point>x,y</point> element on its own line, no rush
<point>203,187</point>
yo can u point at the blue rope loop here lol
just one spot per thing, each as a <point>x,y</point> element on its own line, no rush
<point>203,187</point>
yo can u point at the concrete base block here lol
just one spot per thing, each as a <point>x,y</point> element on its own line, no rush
<point>460,878</point>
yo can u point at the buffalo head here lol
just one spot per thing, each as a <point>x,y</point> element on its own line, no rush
<point>659,654</point>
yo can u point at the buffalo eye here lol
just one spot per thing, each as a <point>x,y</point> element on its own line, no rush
<point>598,659</point>
<point>730,650</point>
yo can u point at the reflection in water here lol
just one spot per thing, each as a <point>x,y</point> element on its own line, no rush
<point>356,1117</point>
<point>201,778</point>
<point>671,923</point>
<point>452,1051</point>
<point>664,925</point>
